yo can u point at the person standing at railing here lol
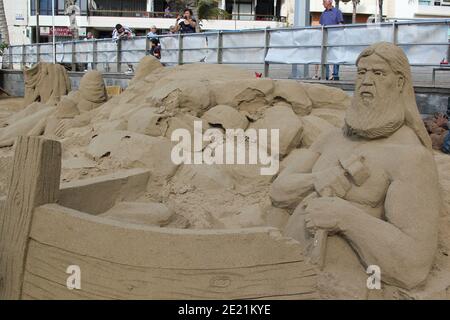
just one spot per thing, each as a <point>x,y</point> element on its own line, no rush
<point>172,30</point>
<point>121,32</point>
<point>155,49</point>
<point>89,36</point>
<point>187,23</point>
<point>153,33</point>
<point>331,16</point>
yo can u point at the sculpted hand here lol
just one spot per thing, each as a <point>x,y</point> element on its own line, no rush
<point>332,182</point>
<point>329,214</point>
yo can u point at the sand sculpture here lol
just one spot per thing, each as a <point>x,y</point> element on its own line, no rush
<point>46,83</point>
<point>340,193</point>
<point>349,192</point>
<point>128,127</point>
<point>75,109</point>
<point>71,110</point>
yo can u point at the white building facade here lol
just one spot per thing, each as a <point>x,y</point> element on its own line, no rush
<point>100,16</point>
<point>392,9</point>
<point>418,9</point>
<point>16,12</point>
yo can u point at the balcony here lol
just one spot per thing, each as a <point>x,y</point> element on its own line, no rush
<point>142,14</point>
<point>145,20</point>
<point>244,10</point>
<point>433,9</point>
<point>173,15</point>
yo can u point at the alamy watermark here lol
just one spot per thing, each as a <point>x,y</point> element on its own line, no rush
<point>74,280</point>
<point>374,280</point>
<point>235,146</point>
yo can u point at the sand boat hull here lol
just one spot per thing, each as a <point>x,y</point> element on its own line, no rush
<point>42,238</point>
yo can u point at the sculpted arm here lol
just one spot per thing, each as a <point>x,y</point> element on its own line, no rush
<point>404,244</point>
<point>296,181</point>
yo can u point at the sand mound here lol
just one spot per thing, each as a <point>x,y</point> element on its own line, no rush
<point>133,130</point>
<point>147,65</point>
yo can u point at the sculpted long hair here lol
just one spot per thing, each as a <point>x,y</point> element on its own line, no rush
<point>397,60</point>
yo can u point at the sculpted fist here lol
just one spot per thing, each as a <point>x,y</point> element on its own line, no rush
<point>329,214</point>
<point>332,182</point>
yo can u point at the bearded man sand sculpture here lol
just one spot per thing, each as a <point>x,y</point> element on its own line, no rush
<point>370,190</point>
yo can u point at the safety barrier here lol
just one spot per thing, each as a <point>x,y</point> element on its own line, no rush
<point>426,43</point>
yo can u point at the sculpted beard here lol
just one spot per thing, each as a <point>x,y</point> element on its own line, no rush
<point>375,117</point>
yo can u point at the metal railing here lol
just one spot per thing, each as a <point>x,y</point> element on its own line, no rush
<point>425,42</point>
<point>136,14</point>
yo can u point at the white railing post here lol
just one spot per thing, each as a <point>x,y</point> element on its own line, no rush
<point>324,53</point>
<point>119,55</point>
<point>73,58</point>
<point>219,47</point>
<point>180,49</point>
<point>94,54</point>
<point>395,32</point>
<point>24,50</point>
<point>266,50</point>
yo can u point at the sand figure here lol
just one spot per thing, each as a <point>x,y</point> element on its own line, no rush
<point>72,110</point>
<point>370,191</point>
<point>46,83</point>
<point>31,124</point>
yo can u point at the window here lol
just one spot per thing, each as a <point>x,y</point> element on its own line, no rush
<point>240,9</point>
<point>121,5</point>
<point>45,7</point>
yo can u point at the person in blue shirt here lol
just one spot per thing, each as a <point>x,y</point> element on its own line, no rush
<point>331,16</point>
<point>153,33</point>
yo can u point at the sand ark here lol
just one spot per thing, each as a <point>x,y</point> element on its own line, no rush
<point>133,130</point>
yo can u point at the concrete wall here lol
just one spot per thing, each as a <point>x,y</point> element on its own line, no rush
<point>12,81</point>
